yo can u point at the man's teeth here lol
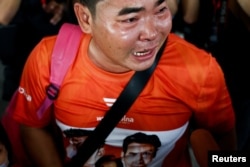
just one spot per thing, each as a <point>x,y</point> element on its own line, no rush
<point>141,53</point>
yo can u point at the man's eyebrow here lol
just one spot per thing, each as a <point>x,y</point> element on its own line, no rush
<point>128,10</point>
<point>159,2</point>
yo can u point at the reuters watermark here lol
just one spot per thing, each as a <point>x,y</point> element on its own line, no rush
<point>228,159</point>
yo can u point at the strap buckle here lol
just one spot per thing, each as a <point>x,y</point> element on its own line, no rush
<point>52,91</point>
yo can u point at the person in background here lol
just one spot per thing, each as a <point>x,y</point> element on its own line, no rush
<point>233,52</point>
<point>8,10</point>
<point>6,155</point>
<point>120,38</point>
<point>173,6</point>
<point>193,21</point>
<point>33,20</point>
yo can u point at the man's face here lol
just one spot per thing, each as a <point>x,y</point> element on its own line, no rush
<point>138,155</point>
<point>127,34</point>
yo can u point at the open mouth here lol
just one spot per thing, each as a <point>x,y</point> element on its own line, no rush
<point>143,53</point>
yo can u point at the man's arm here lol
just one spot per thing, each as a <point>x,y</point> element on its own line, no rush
<point>40,147</point>
<point>245,5</point>
<point>190,10</point>
<point>173,6</point>
<point>241,10</point>
<point>8,9</point>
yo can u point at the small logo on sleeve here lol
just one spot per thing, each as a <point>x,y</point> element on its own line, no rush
<point>23,91</point>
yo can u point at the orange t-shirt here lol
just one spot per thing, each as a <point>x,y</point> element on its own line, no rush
<point>186,82</point>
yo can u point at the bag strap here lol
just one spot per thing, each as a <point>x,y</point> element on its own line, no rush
<point>115,114</point>
<point>63,55</point>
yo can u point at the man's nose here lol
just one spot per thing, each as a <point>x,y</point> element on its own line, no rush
<point>148,30</point>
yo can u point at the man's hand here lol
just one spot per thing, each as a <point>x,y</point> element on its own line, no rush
<point>40,146</point>
<point>56,9</point>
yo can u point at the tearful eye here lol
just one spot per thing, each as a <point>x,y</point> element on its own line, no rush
<point>162,10</point>
<point>130,20</point>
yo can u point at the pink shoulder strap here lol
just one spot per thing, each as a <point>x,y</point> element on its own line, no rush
<point>63,55</point>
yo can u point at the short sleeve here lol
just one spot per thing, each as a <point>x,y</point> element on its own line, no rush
<point>31,91</point>
<point>214,110</point>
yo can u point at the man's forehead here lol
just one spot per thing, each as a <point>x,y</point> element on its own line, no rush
<point>129,6</point>
<point>131,3</point>
<point>135,145</point>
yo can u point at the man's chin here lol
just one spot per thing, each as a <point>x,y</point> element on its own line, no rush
<point>143,67</point>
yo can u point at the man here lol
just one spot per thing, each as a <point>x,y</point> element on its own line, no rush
<point>121,37</point>
<point>139,149</point>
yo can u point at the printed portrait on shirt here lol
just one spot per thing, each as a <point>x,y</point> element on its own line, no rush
<point>137,149</point>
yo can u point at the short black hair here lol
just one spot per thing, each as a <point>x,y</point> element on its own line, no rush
<point>107,158</point>
<point>91,5</point>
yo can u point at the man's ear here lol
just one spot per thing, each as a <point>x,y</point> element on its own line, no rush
<point>83,16</point>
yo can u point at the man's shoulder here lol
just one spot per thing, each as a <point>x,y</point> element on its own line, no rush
<point>179,48</point>
<point>185,56</point>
